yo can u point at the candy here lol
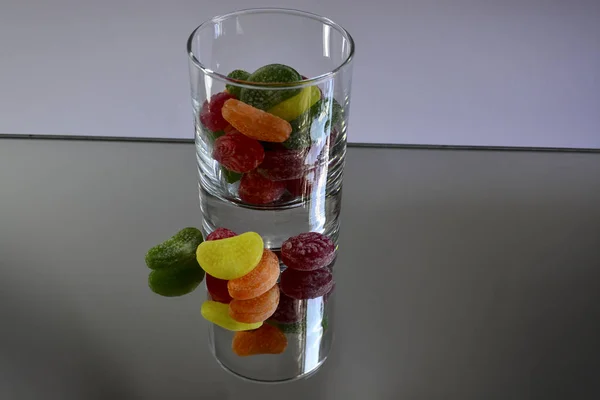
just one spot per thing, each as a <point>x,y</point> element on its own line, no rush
<point>176,281</point>
<point>267,339</point>
<point>237,152</point>
<point>176,251</point>
<point>257,309</point>
<point>218,314</point>
<point>232,257</point>
<point>293,107</point>
<point>210,114</point>
<point>256,189</point>
<point>255,123</point>
<point>258,281</point>
<point>293,328</point>
<point>308,251</point>
<point>217,288</point>
<point>303,285</point>
<point>288,310</point>
<point>265,99</point>
<point>220,233</point>
<point>238,74</point>
<point>283,165</point>
<point>230,176</point>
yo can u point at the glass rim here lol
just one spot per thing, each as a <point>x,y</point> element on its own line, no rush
<point>241,83</point>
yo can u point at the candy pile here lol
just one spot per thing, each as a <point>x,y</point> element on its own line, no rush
<point>262,138</point>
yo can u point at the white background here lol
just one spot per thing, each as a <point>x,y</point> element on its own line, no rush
<point>462,72</point>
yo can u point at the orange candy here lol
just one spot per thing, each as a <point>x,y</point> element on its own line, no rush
<point>258,281</point>
<point>265,340</point>
<point>257,309</point>
<point>255,123</point>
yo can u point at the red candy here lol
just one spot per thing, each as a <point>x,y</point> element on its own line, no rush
<point>288,311</point>
<point>283,165</point>
<point>299,187</point>
<point>217,288</point>
<point>308,251</point>
<point>301,285</point>
<point>256,189</point>
<point>237,152</point>
<point>211,116</point>
<point>220,233</point>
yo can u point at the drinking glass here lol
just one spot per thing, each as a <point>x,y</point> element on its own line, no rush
<point>271,136</point>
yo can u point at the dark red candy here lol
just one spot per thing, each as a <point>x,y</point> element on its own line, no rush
<point>220,233</point>
<point>238,152</point>
<point>217,288</point>
<point>288,310</point>
<point>299,187</point>
<point>301,285</point>
<point>283,165</point>
<point>256,189</point>
<point>210,114</point>
<point>308,251</point>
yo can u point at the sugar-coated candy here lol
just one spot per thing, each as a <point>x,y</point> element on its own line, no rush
<point>210,114</point>
<point>263,98</point>
<point>256,189</point>
<point>217,288</point>
<point>283,165</point>
<point>238,152</point>
<point>293,107</point>
<point>255,123</point>
<point>238,74</point>
<point>176,251</point>
<point>176,281</point>
<point>302,285</point>
<point>218,314</point>
<point>230,258</point>
<point>257,309</point>
<point>308,251</point>
<point>267,339</point>
<point>220,233</point>
<point>299,187</point>
<point>288,310</point>
<point>257,281</point>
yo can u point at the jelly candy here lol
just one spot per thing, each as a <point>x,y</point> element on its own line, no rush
<point>265,99</point>
<point>232,257</point>
<point>210,114</point>
<point>230,176</point>
<point>288,311</point>
<point>293,328</point>
<point>238,74</point>
<point>255,123</point>
<point>220,233</point>
<point>256,189</point>
<point>284,165</point>
<point>257,309</point>
<point>175,251</point>
<point>258,281</point>
<point>293,107</point>
<point>237,152</point>
<point>176,281</point>
<point>267,339</point>
<point>299,187</point>
<point>217,288</point>
<point>308,251</point>
<point>300,137</point>
<point>303,285</point>
<point>218,314</point>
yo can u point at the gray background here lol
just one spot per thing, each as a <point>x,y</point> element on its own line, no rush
<point>461,72</point>
<point>461,275</point>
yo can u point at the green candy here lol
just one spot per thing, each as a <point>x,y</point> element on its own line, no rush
<point>176,281</point>
<point>177,251</point>
<point>337,113</point>
<point>264,99</point>
<point>300,136</point>
<point>230,176</point>
<point>293,328</point>
<point>238,74</point>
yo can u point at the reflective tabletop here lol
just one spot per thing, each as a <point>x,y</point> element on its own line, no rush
<point>460,275</point>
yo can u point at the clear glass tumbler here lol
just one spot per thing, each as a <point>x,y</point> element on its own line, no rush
<point>271,95</point>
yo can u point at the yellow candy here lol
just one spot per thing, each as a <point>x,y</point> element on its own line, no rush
<point>230,258</point>
<point>218,314</point>
<point>293,107</point>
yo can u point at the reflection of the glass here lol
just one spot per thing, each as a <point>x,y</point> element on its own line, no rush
<point>293,343</point>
